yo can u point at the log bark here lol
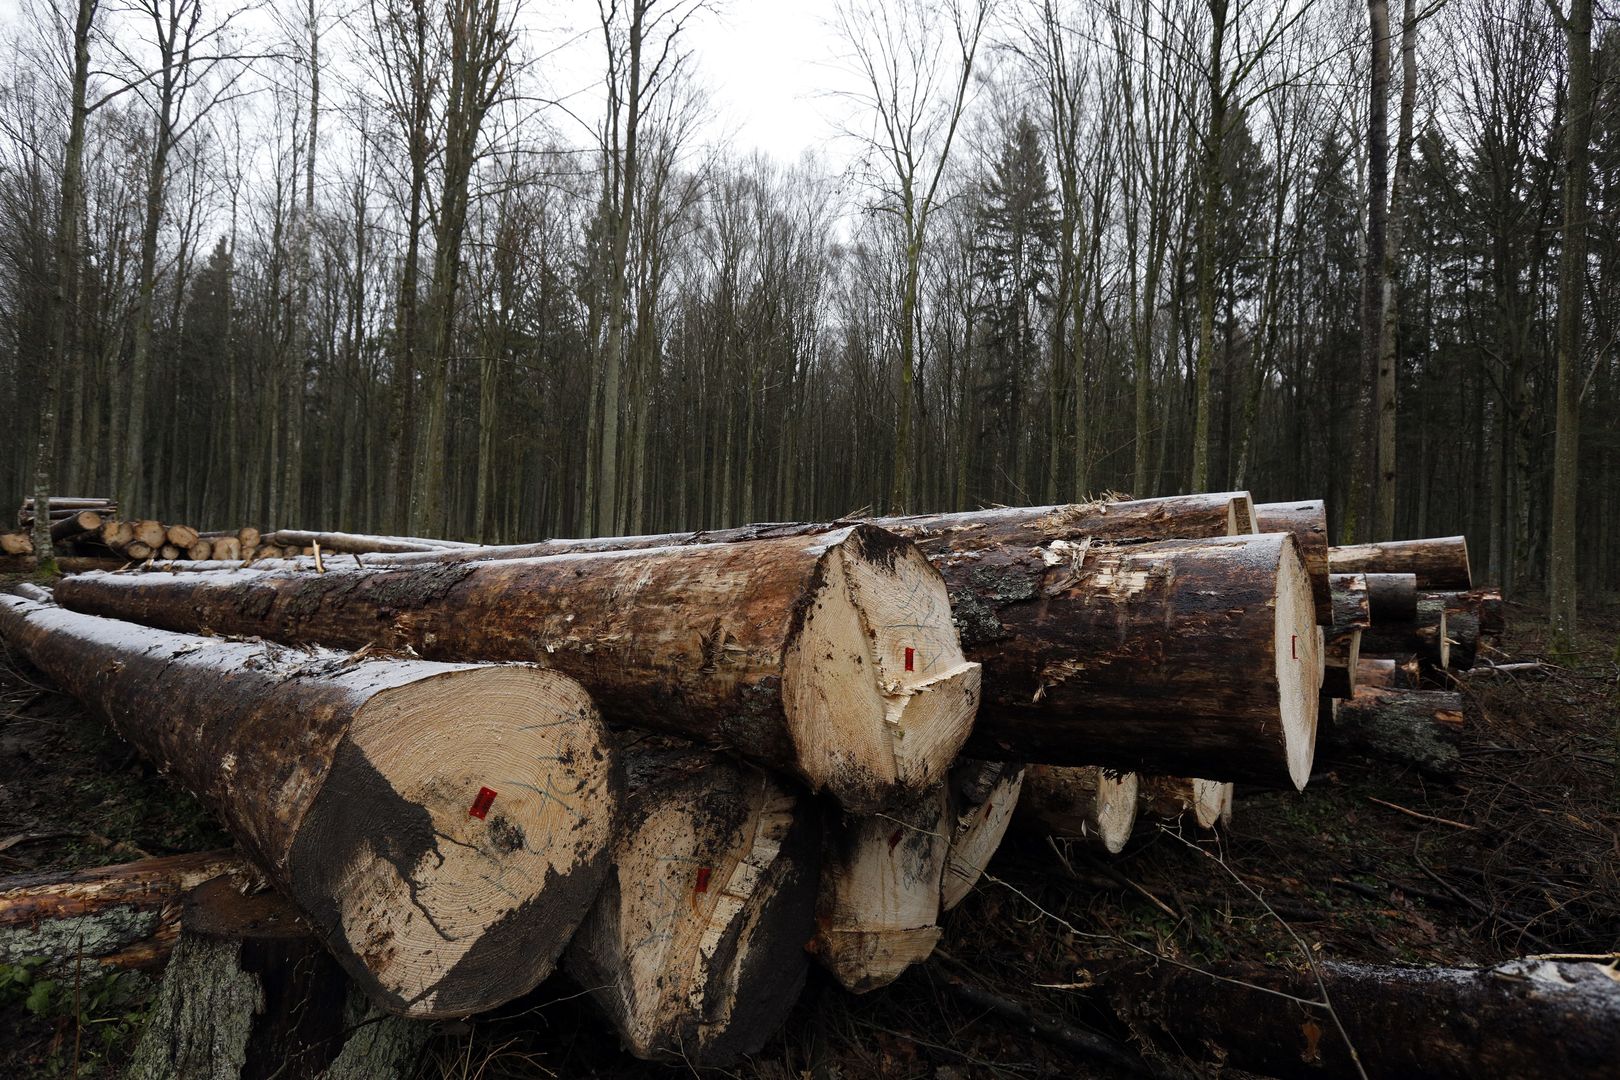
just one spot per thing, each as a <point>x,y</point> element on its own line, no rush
<point>1207,803</point>
<point>67,564</point>
<point>1307,522</point>
<point>833,656</point>
<point>1426,638</point>
<point>1528,1017</point>
<point>249,993</point>
<point>1440,563</point>
<point>66,502</point>
<point>878,908</point>
<point>1392,598</point>
<point>125,916</point>
<point>1094,805</point>
<point>695,949</point>
<point>983,796</point>
<point>1341,640</point>
<point>1181,657</point>
<point>350,781</point>
<point>76,524</point>
<point>1472,618</point>
<point>1408,727</point>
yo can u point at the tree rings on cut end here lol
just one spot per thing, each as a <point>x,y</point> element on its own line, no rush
<point>982,817</point>
<point>460,836</point>
<point>878,695</point>
<point>1297,648</point>
<point>1170,798</point>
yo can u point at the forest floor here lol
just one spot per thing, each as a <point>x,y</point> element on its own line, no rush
<point>1518,854</point>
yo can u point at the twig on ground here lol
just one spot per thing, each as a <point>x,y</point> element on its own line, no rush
<point>1424,817</point>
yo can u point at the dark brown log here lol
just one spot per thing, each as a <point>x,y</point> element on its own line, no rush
<point>357,542</point>
<point>248,994</point>
<point>1182,516</point>
<point>67,564</point>
<point>1341,640</point>
<point>1488,608</point>
<point>1425,638</point>
<point>881,879</point>
<point>1206,803</point>
<point>834,656</point>
<point>1408,727</point>
<point>1471,618</point>
<point>124,916</point>
<point>350,781</point>
<point>983,796</point>
<point>1524,1018</point>
<point>1181,657</point>
<point>1351,601</point>
<point>1392,598</point>
<point>696,947</point>
<point>1307,521</point>
<point>1440,563</point>
<point>1086,803</point>
<point>80,521</point>
<point>1384,674</point>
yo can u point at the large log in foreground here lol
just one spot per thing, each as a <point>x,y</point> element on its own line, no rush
<point>1307,522</point>
<point>1525,1018</point>
<point>118,916</point>
<point>444,827</point>
<point>696,947</point>
<point>1439,563</point>
<point>833,656</point>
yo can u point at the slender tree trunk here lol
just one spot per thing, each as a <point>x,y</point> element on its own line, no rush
<point>1208,208</point>
<point>1368,493</point>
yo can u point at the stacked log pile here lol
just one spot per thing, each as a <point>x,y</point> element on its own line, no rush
<point>463,765</point>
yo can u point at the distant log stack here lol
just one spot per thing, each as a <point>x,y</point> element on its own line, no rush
<point>1440,563</point>
<point>881,878</point>
<point>696,947</point>
<point>357,543</point>
<point>384,797</point>
<point>983,796</point>
<point>1352,616</point>
<point>832,656</point>
<point>1090,804</point>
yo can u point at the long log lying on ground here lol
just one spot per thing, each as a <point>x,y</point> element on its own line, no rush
<point>119,916</point>
<point>444,827</point>
<point>1392,598</point>
<point>881,877</point>
<point>983,796</point>
<point>1181,657</point>
<point>833,655</point>
<point>1439,563</point>
<point>1307,521</point>
<point>67,564</point>
<point>1176,517</point>
<point>695,948</point>
<point>1341,641</point>
<point>1095,805</point>
<point>1529,1017</point>
<point>1172,798</point>
<point>362,544</point>
<point>1408,727</point>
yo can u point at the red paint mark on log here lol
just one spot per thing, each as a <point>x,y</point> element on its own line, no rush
<point>911,658</point>
<point>1293,645</point>
<point>894,838</point>
<point>481,805</point>
<point>703,878</point>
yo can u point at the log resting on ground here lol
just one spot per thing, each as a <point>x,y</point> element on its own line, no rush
<point>696,947</point>
<point>881,877</point>
<point>124,916</point>
<point>1531,1017</point>
<point>1341,641</point>
<point>1472,618</point>
<point>444,827</point>
<point>1307,521</point>
<point>833,656</point>
<point>1439,563</point>
<point>1086,803</point>
<point>983,796</point>
<point>1408,727</point>
<point>1425,639</point>
<point>1171,798</point>
<point>1392,598</point>
<point>67,564</point>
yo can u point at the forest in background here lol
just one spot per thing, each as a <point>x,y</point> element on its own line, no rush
<point>348,267</point>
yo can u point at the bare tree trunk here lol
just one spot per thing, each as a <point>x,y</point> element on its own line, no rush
<point>1368,489</point>
<point>1209,205</point>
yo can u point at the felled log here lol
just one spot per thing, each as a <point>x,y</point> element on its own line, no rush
<point>201,549</point>
<point>139,550</point>
<point>248,537</point>
<point>16,543</point>
<point>67,564</point>
<point>878,908</point>
<point>1392,598</point>
<point>358,542</point>
<point>75,524</point>
<point>1180,657</point>
<point>125,916</point>
<point>695,949</point>
<point>1307,522</point>
<point>1472,618</point>
<point>443,827</point>
<point>833,656</point>
<point>1386,674</point>
<point>1528,1017</point>
<point>1425,638</point>
<point>983,796</point>
<point>1170,798</point>
<point>1440,563</point>
<point>117,534</point>
<point>1181,516</point>
<point>1408,727</point>
<point>181,536</point>
<point>1341,640</point>
<point>225,547</point>
<point>67,502</point>
<point>151,533</point>
<point>168,552</point>
<point>1087,803</point>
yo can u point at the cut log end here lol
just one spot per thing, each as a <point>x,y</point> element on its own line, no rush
<point>878,695</point>
<point>1299,663</point>
<point>980,824</point>
<point>463,807</point>
<point>1082,803</point>
<point>1209,802</point>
